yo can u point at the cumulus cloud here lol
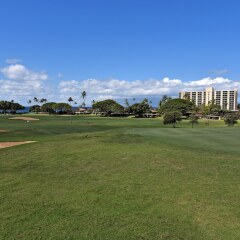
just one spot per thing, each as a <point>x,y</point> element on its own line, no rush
<point>118,89</point>
<point>208,82</point>
<point>20,72</point>
<point>19,82</point>
<point>13,88</point>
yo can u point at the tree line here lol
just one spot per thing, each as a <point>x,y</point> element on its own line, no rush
<point>173,110</point>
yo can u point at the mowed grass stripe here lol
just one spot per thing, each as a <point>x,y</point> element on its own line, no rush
<point>121,182</point>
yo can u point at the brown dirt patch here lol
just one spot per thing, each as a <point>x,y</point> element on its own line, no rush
<point>24,118</point>
<point>1,130</point>
<point>11,144</point>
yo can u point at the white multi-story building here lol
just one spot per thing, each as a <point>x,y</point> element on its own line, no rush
<point>227,99</point>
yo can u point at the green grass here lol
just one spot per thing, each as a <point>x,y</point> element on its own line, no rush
<point>110,178</point>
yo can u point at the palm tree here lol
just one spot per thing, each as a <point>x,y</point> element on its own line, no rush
<point>43,100</point>
<point>29,101</point>
<point>35,99</point>
<point>70,100</point>
<point>84,94</point>
<point>126,102</point>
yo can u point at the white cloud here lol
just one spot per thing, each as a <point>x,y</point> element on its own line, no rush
<point>14,88</point>
<point>173,82</point>
<point>20,83</point>
<point>118,89</point>
<point>208,82</point>
<point>20,72</point>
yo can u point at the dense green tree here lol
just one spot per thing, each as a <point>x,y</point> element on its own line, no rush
<point>4,106</point>
<point>172,118</point>
<point>108,107</point>
<point>230,119</point>
<point>163,100</point>
<point>11,106</point>
<point>48,107</point>
<point>177,105</point>
<point>15,107</point>
<point>35,108</point>
<point>62,107</point>
<point>211,108</point>
<point>139,109</point>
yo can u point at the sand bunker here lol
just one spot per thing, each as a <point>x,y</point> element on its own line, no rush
<point>11,144</point>
<point>24,118</point>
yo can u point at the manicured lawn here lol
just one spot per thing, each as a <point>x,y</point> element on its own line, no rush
<point>105,178</point>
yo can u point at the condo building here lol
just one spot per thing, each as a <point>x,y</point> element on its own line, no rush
<point>225,98</point>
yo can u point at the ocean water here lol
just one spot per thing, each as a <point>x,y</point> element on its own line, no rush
<point>26,110</point>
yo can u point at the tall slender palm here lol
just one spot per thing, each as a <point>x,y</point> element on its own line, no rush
<point>70,100</point>
<point>29,101</point>
<point>35,99</point>
<point>126,102</point>
<point>83,94</point>
<point>43,100</point>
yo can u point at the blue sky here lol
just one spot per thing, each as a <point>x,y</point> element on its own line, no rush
<point>117,49</point>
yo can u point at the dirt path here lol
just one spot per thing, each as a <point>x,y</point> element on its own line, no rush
<point>11,144</point>
<point>24,118</point>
